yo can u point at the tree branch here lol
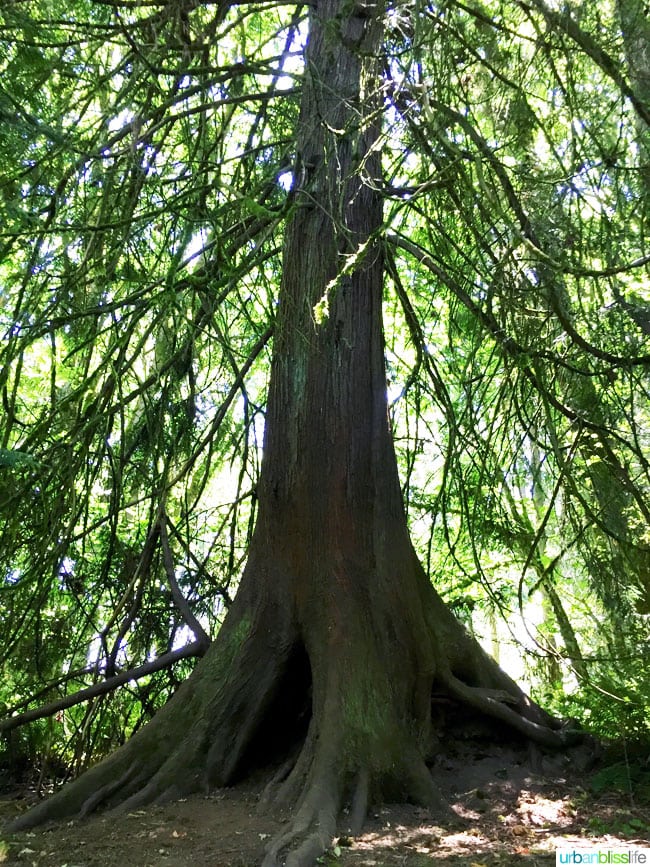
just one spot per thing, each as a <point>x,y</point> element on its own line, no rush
<point>196,648</point>
<point>563,22</point>
<point>179,600</point>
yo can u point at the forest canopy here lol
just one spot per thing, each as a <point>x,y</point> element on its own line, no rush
<point>148,169</point>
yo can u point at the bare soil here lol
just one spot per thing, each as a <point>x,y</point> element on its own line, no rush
<point>506,815</point>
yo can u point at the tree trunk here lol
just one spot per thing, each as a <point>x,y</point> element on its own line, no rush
<point>336,639</point>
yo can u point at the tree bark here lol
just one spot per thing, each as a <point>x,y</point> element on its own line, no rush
<point>336,639</point>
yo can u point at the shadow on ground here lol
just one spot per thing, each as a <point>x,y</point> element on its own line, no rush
<point>506,814</point>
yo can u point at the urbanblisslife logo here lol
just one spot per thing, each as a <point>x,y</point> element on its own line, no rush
<point>602,855</point>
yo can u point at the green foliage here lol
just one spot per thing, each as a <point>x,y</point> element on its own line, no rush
<point>141,226</point>
<point>608,715</point>
<point>623,777</point>
<point>622,824</point>
<point>13,458</point>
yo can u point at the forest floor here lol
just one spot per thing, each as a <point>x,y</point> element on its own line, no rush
<point>507,815</point>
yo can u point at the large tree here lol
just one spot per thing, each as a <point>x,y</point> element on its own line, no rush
<point>336,643</point>
<point>336,637</point>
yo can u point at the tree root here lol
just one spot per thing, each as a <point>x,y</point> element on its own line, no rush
<point>497,704</point>
<point>315,783</point>
<point>98,797</point>
<point>316,821</point>
<point>304,841</point>
<point>359,806</point>
<point>312,829</point>
<point>320,783</point>
<point>198,738</point>
<point>367,737</point>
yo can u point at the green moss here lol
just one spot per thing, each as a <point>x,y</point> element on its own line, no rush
<point>371,728</point>
<point>230,641</point>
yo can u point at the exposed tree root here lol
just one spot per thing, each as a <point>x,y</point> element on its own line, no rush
<point>369,730</point>
<point>497,704</point>
<point>311,831</point>
<point>320,783</point>
<point>196,740</point>
<point>359,805</point>
<point>102,794</point>
<point>319,816</point>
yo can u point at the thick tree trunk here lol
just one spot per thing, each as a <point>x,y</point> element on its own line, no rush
<point>336,640</point>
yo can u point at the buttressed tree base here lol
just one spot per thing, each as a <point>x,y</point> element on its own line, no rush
<point>336,642</point>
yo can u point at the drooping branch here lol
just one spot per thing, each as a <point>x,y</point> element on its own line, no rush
<point>563,22</point>
<point>166,660</point>
<point>179,600</point>
<point>508,343</point>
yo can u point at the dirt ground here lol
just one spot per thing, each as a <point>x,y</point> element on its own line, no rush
<point>506,815</point>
